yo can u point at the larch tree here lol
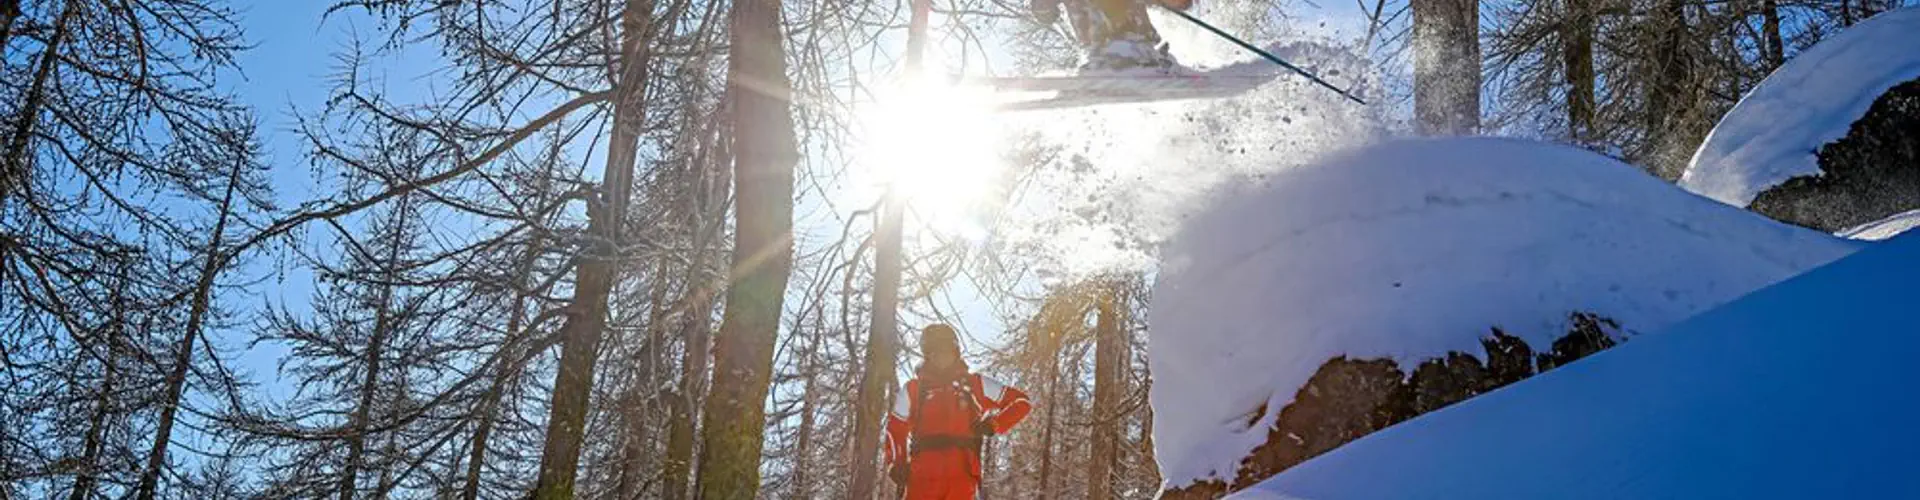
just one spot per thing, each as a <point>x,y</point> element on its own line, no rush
<point>126,168</point>
<point>764,157</point>
<point>1446,66</point>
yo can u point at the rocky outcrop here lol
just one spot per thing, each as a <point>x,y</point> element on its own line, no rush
<point>1350,398</point>
<point>1870,174</point>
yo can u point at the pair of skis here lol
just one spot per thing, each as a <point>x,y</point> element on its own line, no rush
<point>1154,84</point>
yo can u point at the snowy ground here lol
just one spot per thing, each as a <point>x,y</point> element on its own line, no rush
<point>1801,390</point>
<point>1772,134</point>
<point>1413,248</point>
<point>1884,228</point>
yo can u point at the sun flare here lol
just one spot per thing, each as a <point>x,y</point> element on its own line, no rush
<point>938,146</point>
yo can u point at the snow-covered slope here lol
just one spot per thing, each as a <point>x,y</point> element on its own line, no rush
<point>1772,134</point>
<point>1410,249</point>
<point>1801,390</point>
<point>1884,228</point>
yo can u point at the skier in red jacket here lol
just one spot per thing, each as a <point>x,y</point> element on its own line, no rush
<point>939,421</point>
<point>1115,34</point>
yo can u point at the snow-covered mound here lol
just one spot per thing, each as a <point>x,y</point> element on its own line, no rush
<point>1801,390</point>
<point>1411,249</point>
<point>1884,228</point>
<point>1773,133</point>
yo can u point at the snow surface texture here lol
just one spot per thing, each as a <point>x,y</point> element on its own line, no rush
<point>1801,390</point>
<point>1410,249</point>
<point>1773,133</point>
<point>1884,228</point>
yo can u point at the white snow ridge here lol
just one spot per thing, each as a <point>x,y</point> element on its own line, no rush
<point>1884,228</point>
<point>1773,133</point>
<point>1414,248</point>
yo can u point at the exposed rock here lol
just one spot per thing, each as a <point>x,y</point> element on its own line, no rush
<point>1349,398</point>
<point>1870,174</point>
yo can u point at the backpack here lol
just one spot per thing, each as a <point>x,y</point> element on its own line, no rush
<point>947,431</point>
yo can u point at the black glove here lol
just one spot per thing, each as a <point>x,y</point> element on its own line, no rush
<point>898,474</point>
<point>983,427</point>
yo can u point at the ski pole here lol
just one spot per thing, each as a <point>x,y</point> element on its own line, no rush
<point>1264,54</point>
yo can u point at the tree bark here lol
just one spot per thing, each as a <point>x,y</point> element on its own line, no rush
<point>883,336</point>
<point>1578,47</point>
<point>1446,66</point>
<point>1107,378</point>
<point>764,158</point>
<point>176,382</point>
<point>594,280</point>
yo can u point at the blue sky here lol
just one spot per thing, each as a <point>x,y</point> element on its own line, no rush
<point>289,70</point>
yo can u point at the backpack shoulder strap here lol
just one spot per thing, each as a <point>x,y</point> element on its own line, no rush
<point>919,402</point>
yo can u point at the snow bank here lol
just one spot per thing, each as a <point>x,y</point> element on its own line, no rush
<point>1772,134</point>
<point>1884,228</point>
<point>1801,390</point>
<point>1410,249</point>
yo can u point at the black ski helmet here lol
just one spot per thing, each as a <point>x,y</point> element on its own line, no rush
<point>939,334</point>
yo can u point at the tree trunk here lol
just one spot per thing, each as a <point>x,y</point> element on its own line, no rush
<point>1668,93</point>
<point>597,272</point>
<point>1446,66</point>
<point>1776,50</point>
<point>14,174</point>
<point>176,382</point>
<point>684,403</point>
<point>503,375</point>
<point>882,356</point>
<point>489,411</point>
<point>1046,432</point>
<point>1107,377</point>
<point>803,448</point>
<point>883,336</point>
<point>634,449</point>
<point>9,12</point>
<point>697,330</point>
<point>709,168</point>
<point>1578,47</point>
<point>376,343</point>
<point>764,157</point>
<point>89,478</point>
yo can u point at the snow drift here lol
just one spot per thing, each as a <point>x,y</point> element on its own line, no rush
<point>1801,390</point>
<point>1884,228</point>
<point>1411,249</point>
<point>1773,133</point>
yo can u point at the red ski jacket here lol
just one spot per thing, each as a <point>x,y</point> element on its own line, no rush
<point>933,428</point>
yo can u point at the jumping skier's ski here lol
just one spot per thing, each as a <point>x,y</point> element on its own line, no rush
<point>1141,85</point>
<point>1129,86</point>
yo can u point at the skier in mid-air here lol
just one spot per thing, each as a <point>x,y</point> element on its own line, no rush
<point>935,429</point>
<point>1119,40</point>
<point>1115,34</point>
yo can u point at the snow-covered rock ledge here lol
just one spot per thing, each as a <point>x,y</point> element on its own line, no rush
<point>1827,140</point>
<point>1409,250</point>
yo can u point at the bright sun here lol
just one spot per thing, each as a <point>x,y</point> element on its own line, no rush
<point>938,145</point>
